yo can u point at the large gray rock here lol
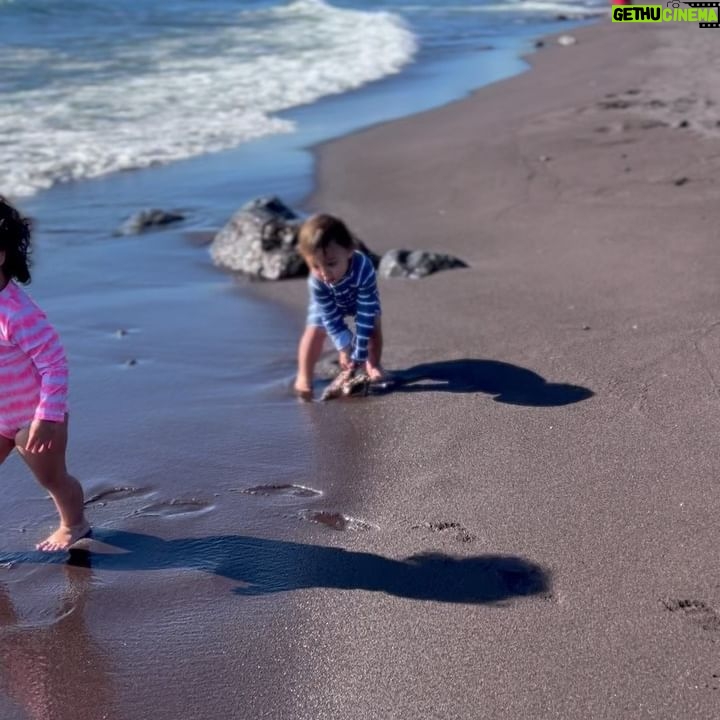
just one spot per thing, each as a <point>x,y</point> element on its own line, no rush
<point>260,240</point>
<point>415,263</point>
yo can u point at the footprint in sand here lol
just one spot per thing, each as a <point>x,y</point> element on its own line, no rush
<point>695,610</point>
<point>615,104</point>
<point>337,521</point>
<point>103,497</point>
<point>173,508</point>
<point>290,489</point>
<point>461,533</point>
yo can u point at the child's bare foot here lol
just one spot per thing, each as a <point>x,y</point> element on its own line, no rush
<point>375,373</point>
<point>303,391</point>
<point>64,537</point>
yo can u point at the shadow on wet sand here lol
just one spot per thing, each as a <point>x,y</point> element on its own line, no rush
<point>270,566</point>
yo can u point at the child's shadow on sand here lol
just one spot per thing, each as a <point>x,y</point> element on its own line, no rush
<point>270,566</point>
<point>508,383</point>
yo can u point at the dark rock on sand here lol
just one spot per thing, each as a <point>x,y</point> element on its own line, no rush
<point>145,219</point>
<point>416,264</point>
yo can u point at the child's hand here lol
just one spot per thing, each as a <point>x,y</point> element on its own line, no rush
<point>42,436</point>
<point>346,362</point>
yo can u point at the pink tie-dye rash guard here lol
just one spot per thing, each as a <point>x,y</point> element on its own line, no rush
<point>33,365</point>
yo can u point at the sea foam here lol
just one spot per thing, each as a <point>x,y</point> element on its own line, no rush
<point>147,101</point>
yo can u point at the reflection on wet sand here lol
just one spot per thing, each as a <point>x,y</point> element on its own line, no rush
<point>55,672</point>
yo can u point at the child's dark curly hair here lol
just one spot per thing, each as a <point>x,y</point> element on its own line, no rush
<point>15,243</point>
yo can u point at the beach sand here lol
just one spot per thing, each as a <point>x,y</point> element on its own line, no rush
<point>581,194</point>
<point>529,531</point>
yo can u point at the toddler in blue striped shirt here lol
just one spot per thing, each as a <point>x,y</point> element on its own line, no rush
<point>342,283</point>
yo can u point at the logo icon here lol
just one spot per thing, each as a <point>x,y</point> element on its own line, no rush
<point>706,13</point>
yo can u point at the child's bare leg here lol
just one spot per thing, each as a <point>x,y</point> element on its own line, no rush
<point>50,470</point>
<point>6,447</point>
<point>309,351</point>
<point>375,347</point>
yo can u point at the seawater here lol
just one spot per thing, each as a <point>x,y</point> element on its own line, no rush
<point>90,87</point>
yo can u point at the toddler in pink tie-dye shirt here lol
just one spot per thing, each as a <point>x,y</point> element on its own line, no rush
<point>33,385</point>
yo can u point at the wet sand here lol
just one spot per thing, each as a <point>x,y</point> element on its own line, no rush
<point>570,404</point>
<point>526,530</point>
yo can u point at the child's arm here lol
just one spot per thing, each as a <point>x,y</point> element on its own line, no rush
<point>333,320</point>
<point>37,338</point>
<point>368,307</point>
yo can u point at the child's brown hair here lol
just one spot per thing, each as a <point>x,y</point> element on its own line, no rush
<point>319,231</point>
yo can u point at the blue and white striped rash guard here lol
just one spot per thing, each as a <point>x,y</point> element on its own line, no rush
<point>355,295</point>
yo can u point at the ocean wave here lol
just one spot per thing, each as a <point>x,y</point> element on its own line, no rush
<point>186,93</point>
<point>570,8</point>
<point>549,8</point>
